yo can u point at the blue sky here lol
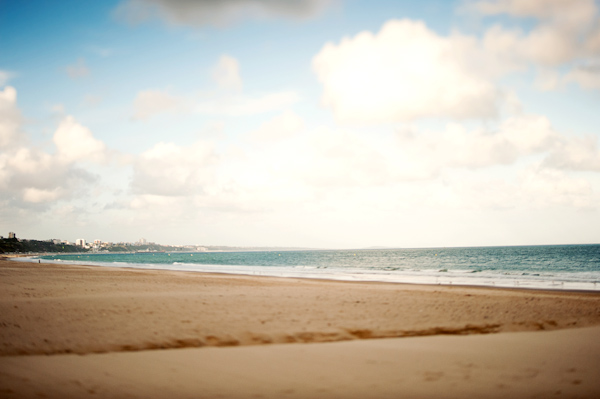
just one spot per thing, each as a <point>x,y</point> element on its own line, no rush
<point>308,123</point>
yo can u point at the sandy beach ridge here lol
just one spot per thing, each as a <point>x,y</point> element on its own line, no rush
<point>49,308</point>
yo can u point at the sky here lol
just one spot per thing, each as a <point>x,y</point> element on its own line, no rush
<point>301,123</point>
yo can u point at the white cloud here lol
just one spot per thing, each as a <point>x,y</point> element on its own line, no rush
<point>404,72</point>
<point>326,176</point>
<point>78,70</point>
<point>10,117</point>
<point>577,153</point>
<point>516,137</point>
<point>30,176</point>
<point>531,188</point>
<point>227,101</point>
<point>547,79</point>
<point>28,161</point>
<point>318,159</point>
<point>149,103</point>
<point>75,142</point>
<point>92,100</point>
<point>5,76</point>
<point>565,12</point>
<point>242,105</point>
<point>342,158</point>
<point>276,174</point>
<point>543,187</point>
<point>544,46</point>
<point>282,126</point>
<point>587,76</point>
<point>227,73</point>
<point>548,45</point>
<point>216,12</point>
<point>157,202</point>
<point>58,109</point>
<point>171,170</point>
<point>426,154</point>
<point>36,195</point>
<point>407,72</point>
<point>593,41</point>
<point>327,158</point>
<point>566,32</point>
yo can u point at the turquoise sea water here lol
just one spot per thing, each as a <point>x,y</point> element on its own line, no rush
<point>557,267</point>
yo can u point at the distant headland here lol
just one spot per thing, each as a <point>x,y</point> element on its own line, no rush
<point>14,245</point>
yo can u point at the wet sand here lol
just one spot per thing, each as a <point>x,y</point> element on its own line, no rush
<point>148,333</point>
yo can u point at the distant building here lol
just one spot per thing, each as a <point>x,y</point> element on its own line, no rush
<point>143,241</point>
<point>12,235</point>
<point>80,242</point>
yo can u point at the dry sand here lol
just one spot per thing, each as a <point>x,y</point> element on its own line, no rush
<point>115,316</point>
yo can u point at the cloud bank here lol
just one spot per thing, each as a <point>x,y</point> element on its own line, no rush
<point>31,176</point>
<point>425,135</point>
<point>407,72</point>
<point>402,73</point>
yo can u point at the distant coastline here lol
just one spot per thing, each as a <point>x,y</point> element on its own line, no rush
<point>21,246</point>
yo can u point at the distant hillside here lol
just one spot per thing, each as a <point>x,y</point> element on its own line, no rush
<point>12,245</point>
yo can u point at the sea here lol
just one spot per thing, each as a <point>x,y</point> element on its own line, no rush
<point>563,267</point>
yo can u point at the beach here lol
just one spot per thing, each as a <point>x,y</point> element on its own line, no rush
<point>79,331</point>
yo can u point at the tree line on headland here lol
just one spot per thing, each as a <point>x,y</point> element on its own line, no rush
<point>14,245</point>
<point>23,246</point>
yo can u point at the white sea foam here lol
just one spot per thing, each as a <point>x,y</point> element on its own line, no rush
<point>589,280</point>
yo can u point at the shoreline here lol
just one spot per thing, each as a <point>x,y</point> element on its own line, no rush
<point>142,266</point>
<point>322,279</point>
<point>161,333</point>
